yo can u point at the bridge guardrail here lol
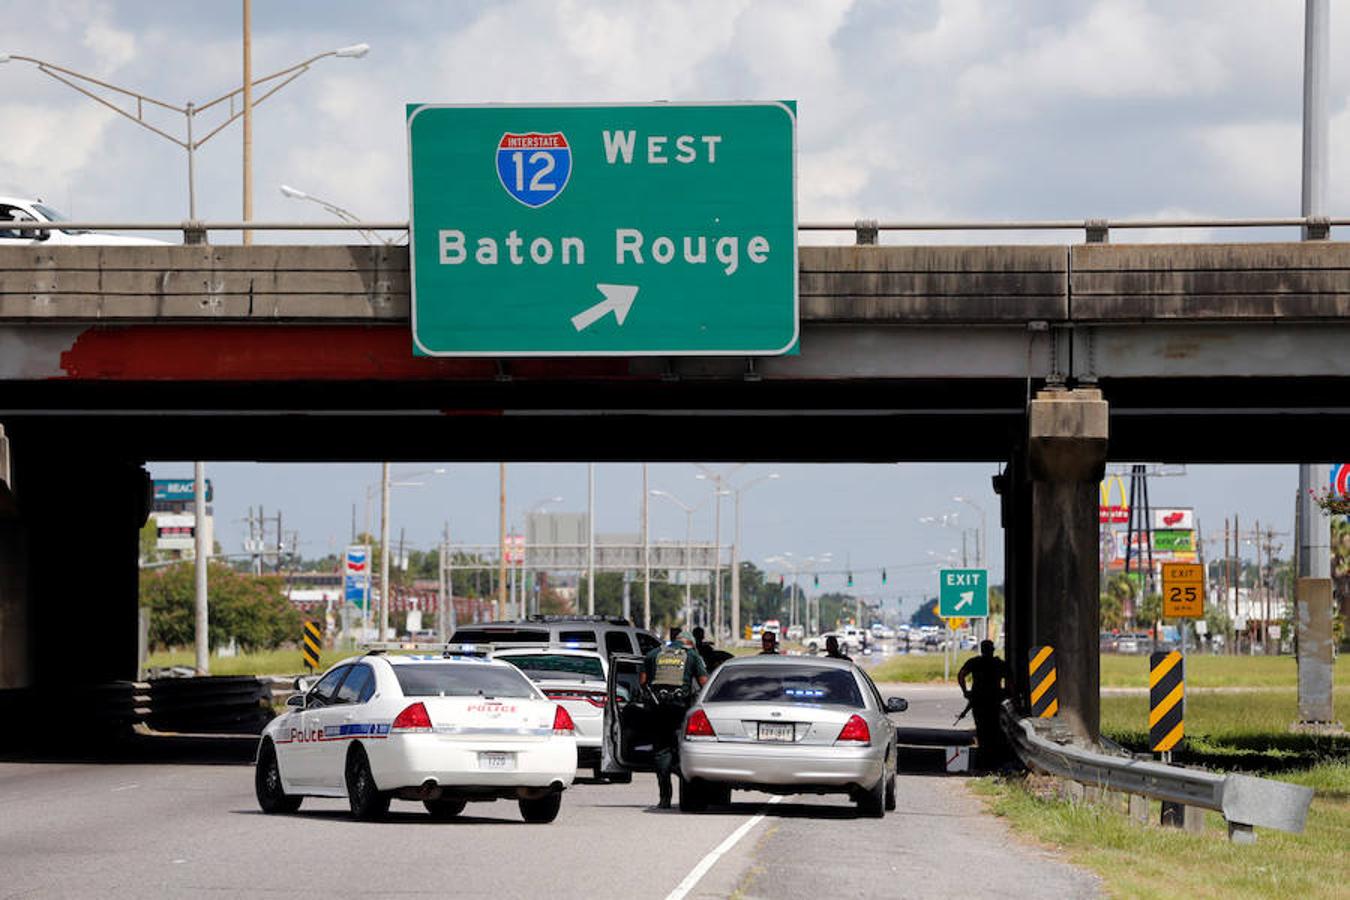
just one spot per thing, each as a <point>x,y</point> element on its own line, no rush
<point>1244,801</point>
<point>1096,231</point>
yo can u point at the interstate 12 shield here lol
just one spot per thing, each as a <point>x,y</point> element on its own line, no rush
<point>534,168</point>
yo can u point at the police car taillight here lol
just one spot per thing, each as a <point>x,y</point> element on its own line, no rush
<point>414,718</point>
<point>855,731</point>
<point>562,722</point>
<point>698,726</point>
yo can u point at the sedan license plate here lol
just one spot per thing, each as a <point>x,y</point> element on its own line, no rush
<point>498,761</point>
<point>781,732</point>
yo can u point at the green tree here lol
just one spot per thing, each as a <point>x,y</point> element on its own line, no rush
<point>1120,588</point>
<point>251,609</point>
<point>1149,612</point>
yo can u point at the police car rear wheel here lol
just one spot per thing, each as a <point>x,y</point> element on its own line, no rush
<point>872,802</point>
<point>542,810</point>
<point>267,784</point>
<point>444,809</point>
<point>693,796</point>
<point>365,799</point>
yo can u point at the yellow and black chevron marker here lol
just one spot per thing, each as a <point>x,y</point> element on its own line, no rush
<point>311,644</point>
<point>1166,701</point>
<point>1044,691</point>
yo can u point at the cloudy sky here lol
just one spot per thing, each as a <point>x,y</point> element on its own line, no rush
<point>921,109</point>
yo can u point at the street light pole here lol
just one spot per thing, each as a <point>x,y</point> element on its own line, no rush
<point>248,118</point>
<point>77,81</point>
<point>981,560</point>
<point>736,557</point>
<point>688,550</point>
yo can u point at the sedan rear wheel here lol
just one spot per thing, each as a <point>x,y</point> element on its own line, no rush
<point>366,801</point>
<point>872,802</point>
<point>890,792</point>
<point>272,798</point>
<point>693,796</point>
<point>541,810</point>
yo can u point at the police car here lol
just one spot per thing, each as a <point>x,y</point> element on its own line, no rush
<point>574,676</point>
<point>443,730</point>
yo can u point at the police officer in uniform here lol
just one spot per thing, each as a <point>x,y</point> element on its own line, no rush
<point>991,682</point>
<point>832,650</point>
<point>669,676</point>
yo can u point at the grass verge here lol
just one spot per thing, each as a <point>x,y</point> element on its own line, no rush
<point>1148,861</point>
<point>1202,671</point>
<point>284,661</point>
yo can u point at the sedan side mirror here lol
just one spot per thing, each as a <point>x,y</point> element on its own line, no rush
<point>296,700</point>
<point>896,704</point>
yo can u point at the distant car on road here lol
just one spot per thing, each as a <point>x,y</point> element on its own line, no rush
<point>17,209</point>
<point>816,643</point>
<point>786,725</point>
<point>445,731</point>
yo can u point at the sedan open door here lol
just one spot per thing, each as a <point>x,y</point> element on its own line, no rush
<point>629,719</point>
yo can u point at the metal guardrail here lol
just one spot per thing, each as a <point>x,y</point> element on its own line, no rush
<point>866,230</point>
<point>1244,801</point>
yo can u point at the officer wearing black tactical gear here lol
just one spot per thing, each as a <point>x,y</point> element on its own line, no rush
<point>670,676</point>
<point>832,650</point>
<point>991,683</point>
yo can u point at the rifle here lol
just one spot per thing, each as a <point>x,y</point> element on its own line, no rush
<point>965,712</point>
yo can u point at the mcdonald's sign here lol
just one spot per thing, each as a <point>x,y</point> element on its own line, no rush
<point>1114,513</point>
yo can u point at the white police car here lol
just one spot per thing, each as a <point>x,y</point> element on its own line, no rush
<point>445,731</point>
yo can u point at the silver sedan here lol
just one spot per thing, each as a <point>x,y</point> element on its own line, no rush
<point>789,725</point>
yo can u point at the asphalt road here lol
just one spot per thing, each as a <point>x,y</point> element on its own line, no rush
<point>174,830</point>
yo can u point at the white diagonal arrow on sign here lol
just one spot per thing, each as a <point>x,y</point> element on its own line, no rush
<point>967,599</point>
<point>618,297</point>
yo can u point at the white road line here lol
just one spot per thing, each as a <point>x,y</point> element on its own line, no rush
<point>684,887</point>
<point>125,787</point>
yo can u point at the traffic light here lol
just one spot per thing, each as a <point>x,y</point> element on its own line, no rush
<point>780,580</point>
<point>883,576</point>
<point>816,580</point>
<point>850,579</point>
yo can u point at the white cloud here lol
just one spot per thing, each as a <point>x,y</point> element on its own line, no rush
<point>112,47</point>
<point>43,149</point>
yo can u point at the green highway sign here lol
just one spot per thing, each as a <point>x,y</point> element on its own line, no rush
<point>660,229</point>
<point>963,593</point>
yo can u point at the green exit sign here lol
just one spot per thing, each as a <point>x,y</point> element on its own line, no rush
<point>659,229</point>
<point>963,593</point>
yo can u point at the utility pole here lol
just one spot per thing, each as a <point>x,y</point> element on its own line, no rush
<point>590,539</point>
<point>280,543</point>
<point>646,554</point>
<point>1314,587</point>
<point>446,612</point>
<point>384,552</point>
<point>501,543</point>
<point>200,548</point>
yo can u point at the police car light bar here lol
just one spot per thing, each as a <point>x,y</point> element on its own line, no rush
<point>486,648</point>
<point>386,646</point>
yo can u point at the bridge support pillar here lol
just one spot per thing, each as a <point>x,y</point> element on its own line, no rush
<point>15,664</point>
<point>75,532</point>
<point>1013,486</point>
<point>1066,456</point>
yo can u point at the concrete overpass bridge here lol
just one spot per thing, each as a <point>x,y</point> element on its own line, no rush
<point>1049,359</point>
